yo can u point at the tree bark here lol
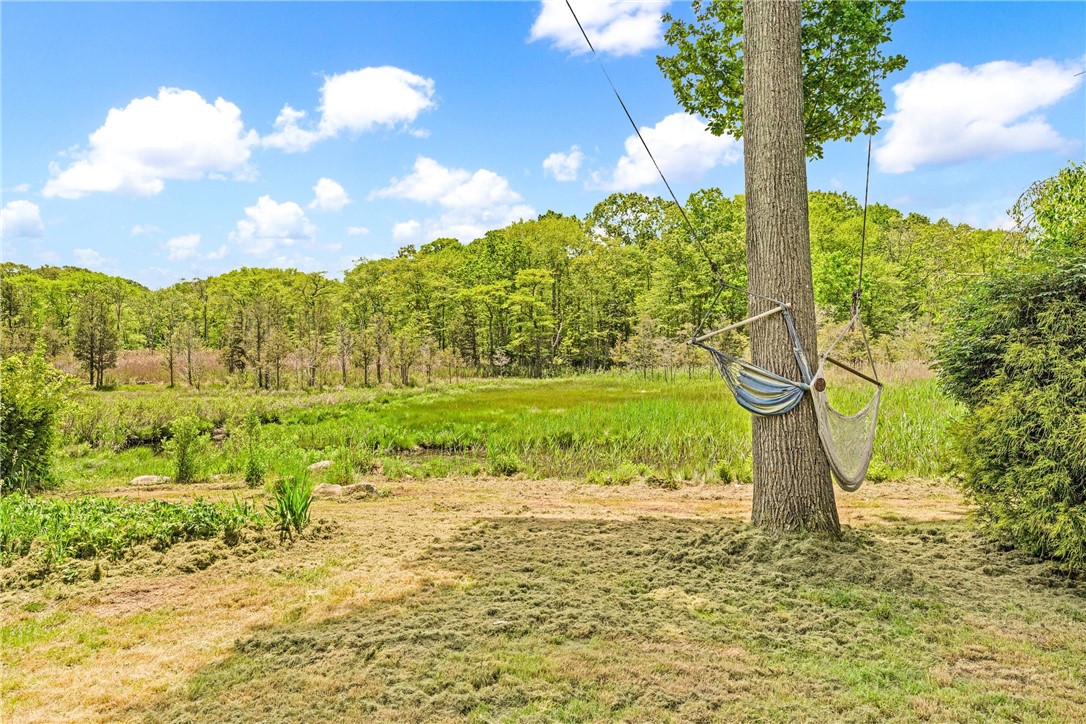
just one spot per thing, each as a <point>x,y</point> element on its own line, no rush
<point>792,486</point>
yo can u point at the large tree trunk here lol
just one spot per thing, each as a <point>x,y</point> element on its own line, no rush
<point>792,486</point>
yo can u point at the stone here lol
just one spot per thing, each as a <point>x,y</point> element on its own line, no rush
<point>327,490</point>
<point>320,467</point>
<point>151,480</point>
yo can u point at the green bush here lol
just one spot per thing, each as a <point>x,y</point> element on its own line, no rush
<point>185,447</point>
<point>350,458</point>
<point>291,498</point>
<point>1015,353</point>
<point>255,467</point>
<point>32,395</point>
<point>92,527</point>
<point>504,464</point>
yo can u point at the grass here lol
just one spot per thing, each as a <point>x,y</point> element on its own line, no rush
<point>52,530</point>
<point>678,430</point>
<point>677,620</point>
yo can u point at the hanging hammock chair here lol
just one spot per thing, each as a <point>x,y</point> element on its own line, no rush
<point>848,440</point>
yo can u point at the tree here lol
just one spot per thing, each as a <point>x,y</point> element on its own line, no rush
<point>173,315</point>
<point>345,344</point>
<point>189,345</point>
<point>841,63</point>
<point>1053,211</point>
<point>35,393</point>
<point>95,343</point>
<point>756,71</point>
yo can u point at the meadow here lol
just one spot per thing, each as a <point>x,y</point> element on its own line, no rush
<point>555,550</point>
<point>686,429</point>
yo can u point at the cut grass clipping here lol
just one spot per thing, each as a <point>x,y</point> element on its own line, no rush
<point>678,620</point>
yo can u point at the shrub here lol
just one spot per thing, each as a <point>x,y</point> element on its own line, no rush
<point>255,468</point>
<point>504,464</point>
<point>91,527</point>
<point>32,395</point>
<point>349,459</point>
<point>624,474</point>
<point>185,447</point>
<point>291,498</point>
<point>1015,353</point>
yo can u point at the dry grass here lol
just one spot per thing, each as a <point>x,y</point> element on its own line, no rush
<point>510,599</point>
<point>99,651</point>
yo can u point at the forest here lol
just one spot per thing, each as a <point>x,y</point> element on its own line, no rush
<point>622,287</point>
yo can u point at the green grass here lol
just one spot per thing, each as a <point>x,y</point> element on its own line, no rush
<point>682,430</point>
<point>678,620</point>
<point>53,530</point>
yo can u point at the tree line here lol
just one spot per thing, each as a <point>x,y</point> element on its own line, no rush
<point>625,285</point>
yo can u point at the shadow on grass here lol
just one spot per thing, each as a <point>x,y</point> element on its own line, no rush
<point>664,619</point>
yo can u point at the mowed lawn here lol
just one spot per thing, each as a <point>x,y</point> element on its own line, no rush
<point>540,596</point>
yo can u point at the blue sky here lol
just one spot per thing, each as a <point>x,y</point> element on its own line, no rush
<point>164,141</point>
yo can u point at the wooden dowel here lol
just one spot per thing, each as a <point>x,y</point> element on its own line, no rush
<point>853,370</point>
<point>746,321</point>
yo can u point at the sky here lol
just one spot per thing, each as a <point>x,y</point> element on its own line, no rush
<point>168,141</point>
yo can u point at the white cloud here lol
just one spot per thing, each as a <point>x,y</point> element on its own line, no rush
<point>406,230</point>
<point>357,230</point>
<point>21,219</point>
<point>563,166</point>
<point>140,229</point>
<point>450,187</point>
<point>953,113</point>
<point>91,259</point>
<point>176,136</point>
<point>473,202</point>
<point>289,136</point>
<point>300,262</point>
<point>183,247</point>
<point>613,26</point>
<point>19,188</point>
<point>329,196</point>
<point>683,147</point>
<point>270,225</point>
<point>356,102</point>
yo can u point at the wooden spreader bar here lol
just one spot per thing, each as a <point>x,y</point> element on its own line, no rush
<point>853,370</point>
<point>748,320</point>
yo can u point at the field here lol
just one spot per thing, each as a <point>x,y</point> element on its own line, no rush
<point>570,550</point>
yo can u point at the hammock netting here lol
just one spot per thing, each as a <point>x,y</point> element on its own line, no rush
<point>848,440</point>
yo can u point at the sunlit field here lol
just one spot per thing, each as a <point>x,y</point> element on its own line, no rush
<point>569,549</point>
<point>681,430</point>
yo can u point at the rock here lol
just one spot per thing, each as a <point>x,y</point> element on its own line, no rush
<point>358,490</point>
<point>320,467</point>
<point>219,434</point>
<point>327,490</point>
<point>151,480</point>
